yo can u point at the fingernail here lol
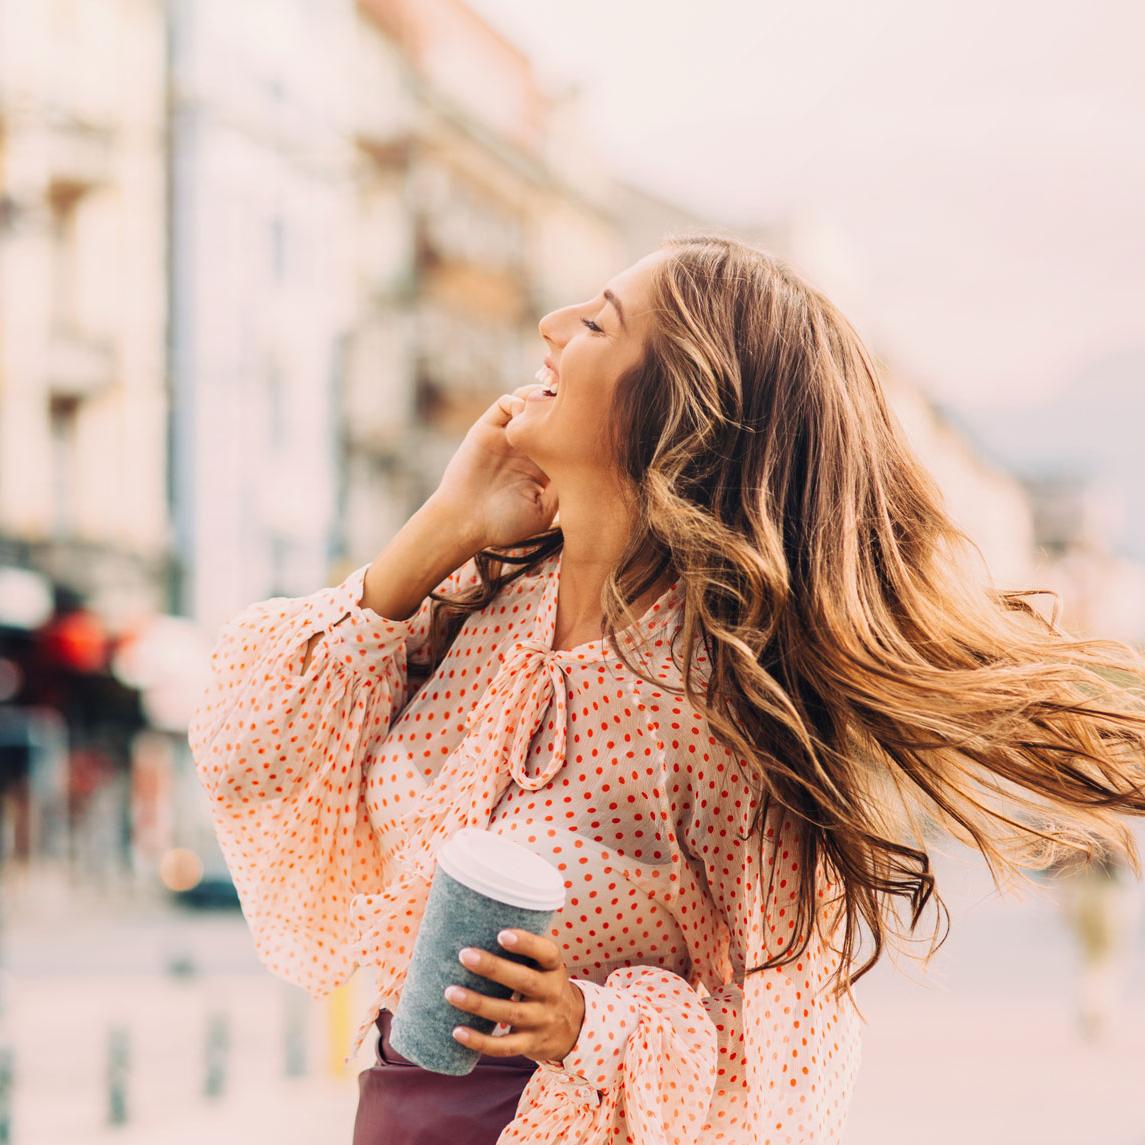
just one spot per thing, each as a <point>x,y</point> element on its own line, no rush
<point>469,957</point>
<point>507,938</point>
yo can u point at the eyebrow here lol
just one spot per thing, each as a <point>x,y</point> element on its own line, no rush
<point>616,302</point>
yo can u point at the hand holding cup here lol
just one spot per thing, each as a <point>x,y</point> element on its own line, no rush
<point>485,884</point>
<point>546,1011</point>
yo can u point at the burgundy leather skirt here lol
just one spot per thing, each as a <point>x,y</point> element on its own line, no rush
<point>400,1103</point>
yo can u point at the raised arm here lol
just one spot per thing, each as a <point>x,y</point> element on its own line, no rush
<point>432,544</point>
<point>281,747</point>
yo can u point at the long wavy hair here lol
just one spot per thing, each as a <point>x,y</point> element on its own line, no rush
<point>861,662</point>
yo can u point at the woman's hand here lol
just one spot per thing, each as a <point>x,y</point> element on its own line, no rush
<point>545,1017</point>
<point>497,488</point>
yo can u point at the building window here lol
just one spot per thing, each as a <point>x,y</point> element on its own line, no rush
<point>63,420</point>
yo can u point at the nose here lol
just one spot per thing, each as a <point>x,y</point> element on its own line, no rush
<point>550,327</point>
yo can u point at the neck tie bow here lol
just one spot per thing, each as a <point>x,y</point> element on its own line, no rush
<point>499,732</point>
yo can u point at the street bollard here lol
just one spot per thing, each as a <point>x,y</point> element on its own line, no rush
<point>118,1061</point>
<point>338,1018</point>
<point>295,1032</point>
<point>6,1074</point>
<point>218,1041</point>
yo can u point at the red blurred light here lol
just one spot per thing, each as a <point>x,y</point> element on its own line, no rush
<point>78,641</point>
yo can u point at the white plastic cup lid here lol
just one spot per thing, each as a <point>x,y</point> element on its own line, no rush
<point>503,870</point>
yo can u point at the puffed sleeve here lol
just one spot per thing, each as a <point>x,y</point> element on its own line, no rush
<point>768,1056</point>
<point>281,754</point>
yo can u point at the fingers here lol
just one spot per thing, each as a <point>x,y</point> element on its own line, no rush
<point>512,403</point>
<point>510,1045</point>
<point>507,406</point>
<point>529,1008</point>
<point>506,403</point>
<point>530,982</point>
<point>542,950</point>
<point>513,1012</point>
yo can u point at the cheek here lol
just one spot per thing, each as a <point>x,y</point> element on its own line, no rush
<point>581,410</point>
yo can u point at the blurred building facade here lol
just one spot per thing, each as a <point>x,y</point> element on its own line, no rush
<point>85,544</point>
<point>986,501</point>
<point>83,431</point>
<point>261,199</point>
<point>1102,591</point>
<point>478,209</point>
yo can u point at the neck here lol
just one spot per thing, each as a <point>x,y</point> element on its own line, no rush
<point>596,529</point>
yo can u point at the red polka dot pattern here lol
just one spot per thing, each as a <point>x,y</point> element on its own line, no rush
<point>331,790</point>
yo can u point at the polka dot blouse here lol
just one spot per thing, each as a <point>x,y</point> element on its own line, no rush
<point>330,790</point>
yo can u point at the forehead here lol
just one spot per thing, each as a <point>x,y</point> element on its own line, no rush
<point>632,284</point>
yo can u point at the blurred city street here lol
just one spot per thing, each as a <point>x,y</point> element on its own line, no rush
<point>77,969</point>
<point>993,1021</point>
<point>262,268</point>
<point>985,1045</point>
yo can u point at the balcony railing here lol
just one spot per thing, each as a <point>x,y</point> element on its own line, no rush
<point>78,159</point>
<point>78,365</point>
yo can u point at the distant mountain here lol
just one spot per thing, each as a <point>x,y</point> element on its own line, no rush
<point>1095,427</point>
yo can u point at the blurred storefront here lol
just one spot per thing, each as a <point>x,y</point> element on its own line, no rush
<point>95,777</point>
<point>65,726</point>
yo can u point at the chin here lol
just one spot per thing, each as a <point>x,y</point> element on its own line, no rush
<point>517,436</point>
<point>526,447</point>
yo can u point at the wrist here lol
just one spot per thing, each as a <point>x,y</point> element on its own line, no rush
<point>576,1020</point>
<point>610,1017</point>
<point>423,553</point>
<point>461,528</point>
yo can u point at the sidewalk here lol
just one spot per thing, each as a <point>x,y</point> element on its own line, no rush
<point>79,966</point>
<point>984,1047</point>
<point>60,1027</point>
<point>981,1048</point>
<point>293,1113</point>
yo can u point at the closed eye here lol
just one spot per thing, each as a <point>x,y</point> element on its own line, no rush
<point>592,325</point>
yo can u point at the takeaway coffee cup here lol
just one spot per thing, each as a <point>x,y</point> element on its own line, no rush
<point>483,883</point>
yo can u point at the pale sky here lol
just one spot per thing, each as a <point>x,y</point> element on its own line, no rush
<point>980,166</point>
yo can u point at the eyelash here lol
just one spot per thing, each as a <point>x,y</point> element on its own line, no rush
<point>592,325</point>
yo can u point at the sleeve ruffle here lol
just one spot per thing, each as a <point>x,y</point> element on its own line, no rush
<point>282,757</point>
<point>657,1062</point>
<point>610,1016</point>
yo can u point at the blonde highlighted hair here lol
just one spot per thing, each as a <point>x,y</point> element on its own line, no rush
<point>861,663</point>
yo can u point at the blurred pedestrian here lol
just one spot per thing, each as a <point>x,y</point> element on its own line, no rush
<point>1101,903</point>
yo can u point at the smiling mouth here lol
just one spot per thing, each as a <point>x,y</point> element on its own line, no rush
<point>547,380</point>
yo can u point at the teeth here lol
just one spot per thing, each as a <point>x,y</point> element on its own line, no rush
<point>548,379</point>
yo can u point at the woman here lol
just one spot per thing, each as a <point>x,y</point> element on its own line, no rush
<point>727,692</point>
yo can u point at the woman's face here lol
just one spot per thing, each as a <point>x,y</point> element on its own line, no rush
<point>590,345</point>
